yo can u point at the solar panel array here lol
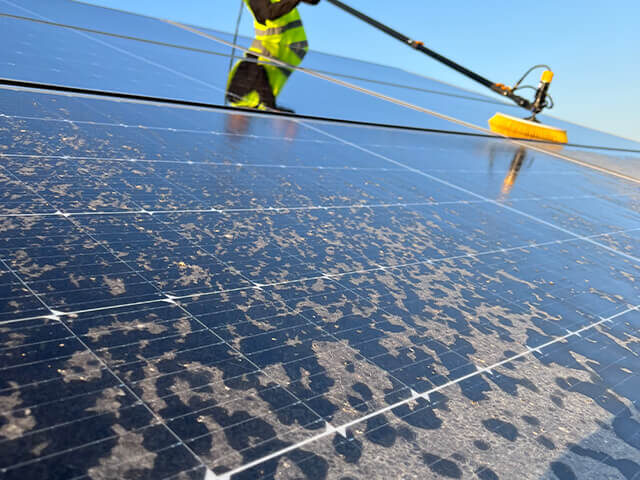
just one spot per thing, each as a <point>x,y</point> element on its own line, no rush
<point>201,293</point>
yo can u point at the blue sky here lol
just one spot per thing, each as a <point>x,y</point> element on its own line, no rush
<point>591,45</point>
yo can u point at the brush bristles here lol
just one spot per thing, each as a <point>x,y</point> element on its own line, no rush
<point>519,128</point>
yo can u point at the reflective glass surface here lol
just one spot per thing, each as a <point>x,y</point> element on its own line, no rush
<point>203,74</point>
<point>122,23</point>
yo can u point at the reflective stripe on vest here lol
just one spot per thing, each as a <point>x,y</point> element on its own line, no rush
<point>298,48</point>
<point>278,30</point>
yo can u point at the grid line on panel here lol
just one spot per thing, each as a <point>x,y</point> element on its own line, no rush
<point>137,459</point>
<point>71,422</point>
<point>33,344</point>
<point>215,164</point>
<point>57,399</point>
<point>8,268</point>
<point>160,129</point>
<point>286,209</point>
<point>111,34</point>
<point>61,452</point>
<point>172,298</point>
<point>48,380</point>
<point>129,461</point>
<point>340,168</point>
<point>76,92</point>
<point>136,272</point>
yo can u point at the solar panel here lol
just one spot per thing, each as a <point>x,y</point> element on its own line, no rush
<point>193,292</point>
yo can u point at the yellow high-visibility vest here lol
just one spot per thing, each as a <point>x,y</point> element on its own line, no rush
<point>284,39</point>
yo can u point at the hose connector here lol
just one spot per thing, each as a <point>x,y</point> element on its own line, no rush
<point>540,101</point>
<point>547,76</point>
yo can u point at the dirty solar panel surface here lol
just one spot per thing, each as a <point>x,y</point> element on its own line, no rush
<point>54,54</point>
<point>187,291</point>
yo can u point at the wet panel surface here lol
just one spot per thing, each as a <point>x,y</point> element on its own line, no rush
<point>164,60</point>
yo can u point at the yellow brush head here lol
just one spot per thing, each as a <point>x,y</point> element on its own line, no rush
<point>520,128</point>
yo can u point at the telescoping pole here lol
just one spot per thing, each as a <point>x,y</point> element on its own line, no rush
<point>417,45</point>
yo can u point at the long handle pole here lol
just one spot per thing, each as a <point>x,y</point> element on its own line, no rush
<point>498,88</point>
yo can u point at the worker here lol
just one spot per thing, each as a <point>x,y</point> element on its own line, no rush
<point>255,81</point>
